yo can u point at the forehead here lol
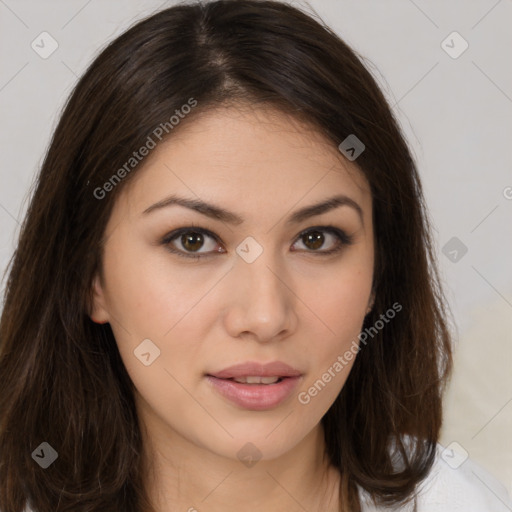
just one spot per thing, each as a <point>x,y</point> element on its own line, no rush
<point>247,156</point>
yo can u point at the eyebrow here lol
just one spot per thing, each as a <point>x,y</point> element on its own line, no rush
<point>216,212</point>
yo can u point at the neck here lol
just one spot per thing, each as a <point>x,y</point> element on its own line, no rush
<point>182,476</point>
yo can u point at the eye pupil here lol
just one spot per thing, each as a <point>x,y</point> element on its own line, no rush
<point>192,241</point>
<point>314,237</point>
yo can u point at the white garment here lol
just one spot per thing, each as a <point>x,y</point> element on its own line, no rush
<point>447,488</point>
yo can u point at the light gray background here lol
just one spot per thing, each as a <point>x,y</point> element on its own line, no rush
<point>456,113</point>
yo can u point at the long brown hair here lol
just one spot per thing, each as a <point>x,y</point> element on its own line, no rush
<point>62,380</point>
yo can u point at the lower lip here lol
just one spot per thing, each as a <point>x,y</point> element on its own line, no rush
<point>257,397</point>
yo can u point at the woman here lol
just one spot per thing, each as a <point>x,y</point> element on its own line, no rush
<point>224,293</point>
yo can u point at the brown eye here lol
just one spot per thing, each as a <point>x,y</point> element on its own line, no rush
<point>316,238</point>
<point>313,239</point>
<point>192,241</point>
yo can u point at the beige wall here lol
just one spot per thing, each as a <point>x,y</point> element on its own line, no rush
<point>478,406</point>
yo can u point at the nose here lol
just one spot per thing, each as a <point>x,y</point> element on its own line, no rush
<point>262,303</point>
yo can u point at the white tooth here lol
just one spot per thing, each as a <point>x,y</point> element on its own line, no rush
<point>256,380</point>
<point>269,380</point>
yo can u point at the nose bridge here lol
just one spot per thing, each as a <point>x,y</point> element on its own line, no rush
<point>261,303</point>
<point>263,280</point>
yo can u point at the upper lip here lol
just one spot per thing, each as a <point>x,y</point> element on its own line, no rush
<point>252,368</point>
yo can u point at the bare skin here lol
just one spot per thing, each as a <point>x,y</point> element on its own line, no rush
<point>290,304</point>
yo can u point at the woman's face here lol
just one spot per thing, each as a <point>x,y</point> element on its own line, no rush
<point>269,285</point>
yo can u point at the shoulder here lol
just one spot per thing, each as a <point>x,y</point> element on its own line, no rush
<point>455,484</point>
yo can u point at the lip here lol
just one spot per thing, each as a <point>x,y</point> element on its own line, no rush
<point>256,397</point>
<point>253,368</point>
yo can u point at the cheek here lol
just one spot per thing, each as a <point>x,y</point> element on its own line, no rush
<point>149,299</point>
<point>339,304</point>
<point>146,295</point>
<point>339,299</point>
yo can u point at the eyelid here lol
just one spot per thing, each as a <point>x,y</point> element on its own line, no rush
<point>343,239</point>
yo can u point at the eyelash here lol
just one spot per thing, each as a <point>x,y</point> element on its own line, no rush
<point>344,240</point>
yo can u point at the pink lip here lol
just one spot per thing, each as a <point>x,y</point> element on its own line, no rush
<point>256,397</point>
<point>252,368</point>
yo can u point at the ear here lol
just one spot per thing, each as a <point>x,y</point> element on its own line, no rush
<point>99,313</point>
